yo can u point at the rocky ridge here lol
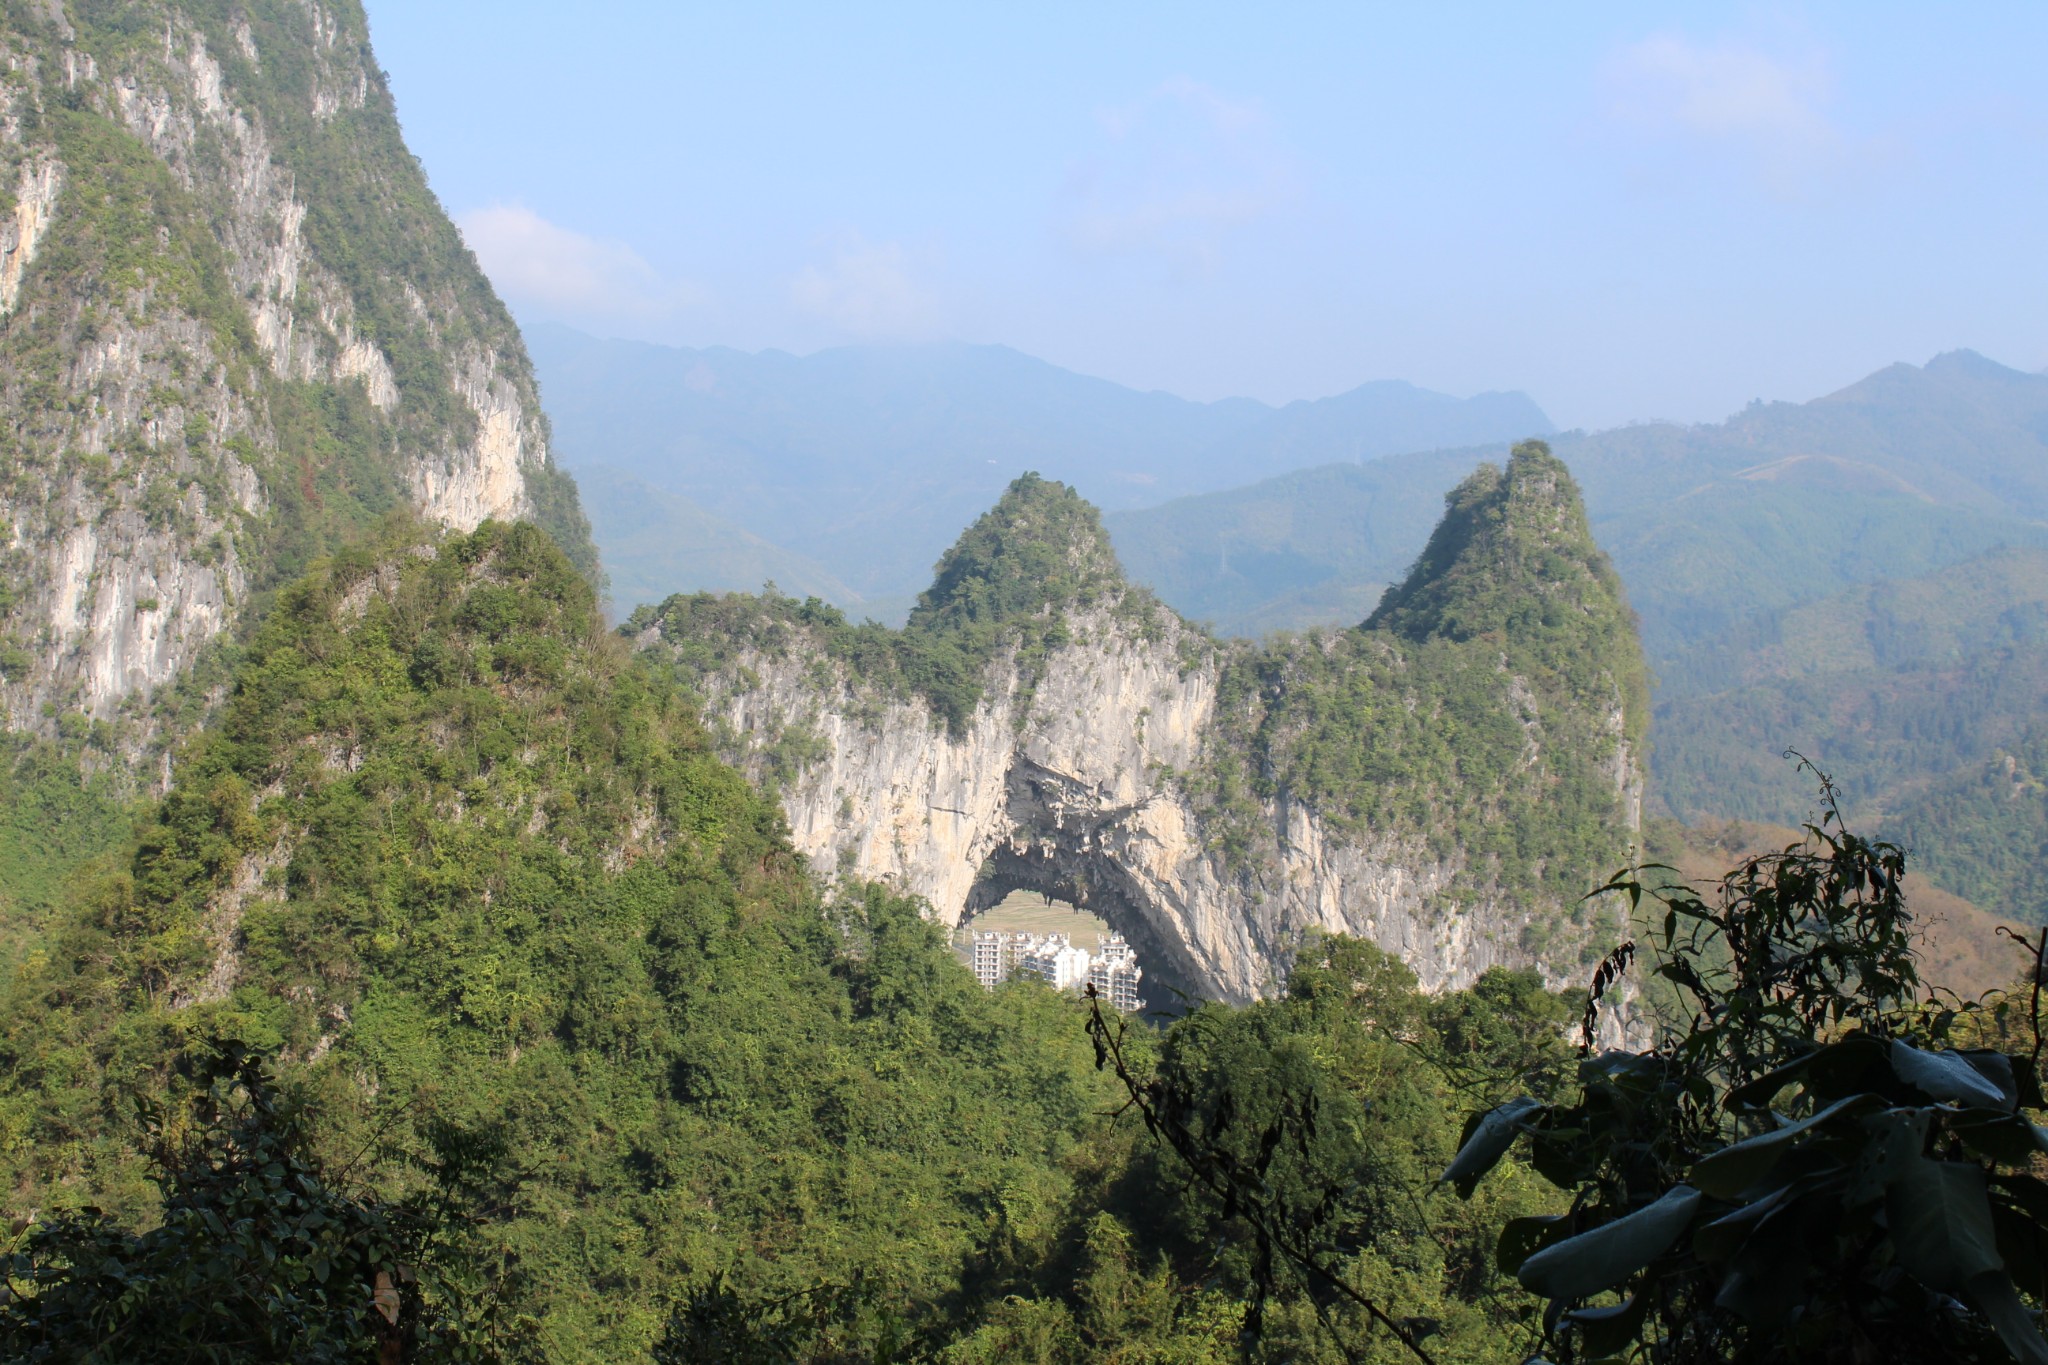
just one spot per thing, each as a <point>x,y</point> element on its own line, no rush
<point>235,331</point>
<point>1177,785</point>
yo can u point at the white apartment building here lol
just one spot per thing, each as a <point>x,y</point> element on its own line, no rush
<point>1057,960</point>
<point>1115,974</point>
<point>986,955</point>
<point>996,955</point>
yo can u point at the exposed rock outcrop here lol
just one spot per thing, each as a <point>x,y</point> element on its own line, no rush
<point>235,330</point>
<point>1196,793</point>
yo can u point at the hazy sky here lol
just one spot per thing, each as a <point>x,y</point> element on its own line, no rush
<point>1630,211</point>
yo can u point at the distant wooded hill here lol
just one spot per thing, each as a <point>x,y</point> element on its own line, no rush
<point>1859,577</point>
<point>1863,578</point>
<point>863,463</point>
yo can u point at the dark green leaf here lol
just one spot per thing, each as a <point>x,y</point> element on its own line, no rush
<point>1941,1223</point>
<point>1485,1144</point>
<point>1991,1293</point>
<point>1603,1331</point>
<point>1947,1076</point>
<point>1897,1138</point>
<point>1609,1254</point>
<point>1735,1168</point>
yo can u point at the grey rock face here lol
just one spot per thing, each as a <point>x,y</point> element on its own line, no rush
<point>1082,784</point>
<point>174,403</point>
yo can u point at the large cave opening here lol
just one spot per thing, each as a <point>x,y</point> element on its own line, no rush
<point>1093,883</point>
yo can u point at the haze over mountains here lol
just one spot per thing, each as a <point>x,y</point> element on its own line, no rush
<point>1849,576</point>
<point>864,462</point>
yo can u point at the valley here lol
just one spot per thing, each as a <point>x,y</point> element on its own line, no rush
<point>518,847</point>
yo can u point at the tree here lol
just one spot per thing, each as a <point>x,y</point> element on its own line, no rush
<point>1807,1170</point>
<point>260,1256</point>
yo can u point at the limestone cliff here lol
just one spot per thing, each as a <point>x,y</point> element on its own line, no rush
<point>1446,781</point>
<point>236,331</point>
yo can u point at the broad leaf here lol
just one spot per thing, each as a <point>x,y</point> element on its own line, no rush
<point>1948,1076</point>
<point>1735,1168</point>
<point>1485,1144</point>
<point>1941,1223</point>
<point>1724,1236</point>
<point>1897,1138</point>
<point>1603,1258</point>
<point>1840,1068</point>
<point>1603,1331</point>
<point>1992,1294</point>
<point>1996,1068</point>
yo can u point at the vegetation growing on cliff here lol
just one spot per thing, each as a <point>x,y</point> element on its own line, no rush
<point>1008,584</point>
<point>1490,716</point>
<point>134,379</point>
<point>1494,705</point>
<point>454,855</point>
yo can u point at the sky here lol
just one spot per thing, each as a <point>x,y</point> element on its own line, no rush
<point>1631,212</point>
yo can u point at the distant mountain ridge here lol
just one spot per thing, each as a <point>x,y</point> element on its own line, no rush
<point>869,460</point>
<point>1904,472</point>
<point>1860,577</point>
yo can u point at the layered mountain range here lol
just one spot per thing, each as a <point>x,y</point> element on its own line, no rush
<point>857,466</point>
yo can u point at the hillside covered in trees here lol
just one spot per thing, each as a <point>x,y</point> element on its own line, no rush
<point>1447,779</point>
<point>463,864</point>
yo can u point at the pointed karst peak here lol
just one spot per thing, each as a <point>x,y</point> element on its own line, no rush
<point>1512,558</point>
<point>1041,545</point>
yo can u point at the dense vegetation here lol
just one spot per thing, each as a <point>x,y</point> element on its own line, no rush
<point>1924,690</point>
<point>1490,703</point>
<point>569,1062</point>
<point>1008,584</point>
<point>1983,830</point>
<point>459,863</point>
<point>60,810</point>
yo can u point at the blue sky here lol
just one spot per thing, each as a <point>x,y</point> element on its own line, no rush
<point>1630,211</point>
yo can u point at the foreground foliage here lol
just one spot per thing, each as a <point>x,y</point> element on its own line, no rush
<point>1811,1169</point>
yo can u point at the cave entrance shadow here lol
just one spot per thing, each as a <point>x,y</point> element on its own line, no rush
<point>1090,884</point>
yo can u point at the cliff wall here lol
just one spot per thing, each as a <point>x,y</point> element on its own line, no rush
<point>1206,797</point>
<point>236,331</point>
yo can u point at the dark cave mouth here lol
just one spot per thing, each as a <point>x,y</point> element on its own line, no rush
<point>1094,884</point>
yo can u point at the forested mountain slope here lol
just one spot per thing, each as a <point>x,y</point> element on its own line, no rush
<point>466,865</point>
<point>463,861</point>
<point>870,459</point>
<point>1859,577</point>
<point>1447,780</point>
<point>236,330</point>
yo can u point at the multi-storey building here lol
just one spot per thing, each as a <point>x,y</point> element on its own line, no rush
<point>996,955</point>
<point>1115,974</point>
<point>1058,961</point>
<point>989,960</point>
